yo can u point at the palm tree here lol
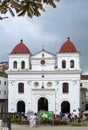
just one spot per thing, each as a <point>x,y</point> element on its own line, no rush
<point>24,7</point>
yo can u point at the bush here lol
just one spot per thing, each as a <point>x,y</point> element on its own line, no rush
<point>4,119</point>
<point>77,124</point>
<point>23,123</point>
<point>64,122</point>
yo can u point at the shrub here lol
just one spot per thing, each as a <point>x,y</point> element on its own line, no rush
<point>23,123</point>
<point>78,124</point>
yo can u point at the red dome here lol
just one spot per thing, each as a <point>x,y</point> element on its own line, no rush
<point>67,47</point>
<point>20,48</point>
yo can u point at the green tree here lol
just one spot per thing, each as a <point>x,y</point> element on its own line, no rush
<point>24,7</point>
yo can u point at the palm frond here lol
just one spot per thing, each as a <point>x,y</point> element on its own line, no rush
<point>22,7</point>
<point>11,11</point>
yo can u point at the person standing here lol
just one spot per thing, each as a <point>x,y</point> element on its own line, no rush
<point>32,120</point>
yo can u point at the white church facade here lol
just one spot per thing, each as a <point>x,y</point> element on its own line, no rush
<point>44,81</point>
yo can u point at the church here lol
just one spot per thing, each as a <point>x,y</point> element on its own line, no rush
<point>44,81</point>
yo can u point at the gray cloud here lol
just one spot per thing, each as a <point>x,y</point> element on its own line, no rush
<point>51,29</point>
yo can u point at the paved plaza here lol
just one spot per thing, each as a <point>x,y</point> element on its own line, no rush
<point>27,127</point>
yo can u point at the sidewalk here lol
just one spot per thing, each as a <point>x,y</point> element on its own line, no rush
<point>27,127</point>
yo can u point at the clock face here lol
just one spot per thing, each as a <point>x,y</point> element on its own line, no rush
<point>42,62</point>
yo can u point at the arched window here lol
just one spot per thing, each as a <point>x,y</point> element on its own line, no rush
<point>72,64</point>
<point>22,65</point>
<point>63,64</point>
<point>36,84</point>
<point>21,88</point>
<point>49,84</point>
<point>15,64</point>
<point>65,88</point>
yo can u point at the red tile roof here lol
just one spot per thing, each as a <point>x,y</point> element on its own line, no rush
<point>84,77</point>
<point>68,46</point>
<point>20,48</point>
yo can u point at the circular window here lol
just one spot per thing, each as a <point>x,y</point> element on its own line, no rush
<point>42,62</point>
<point>49,84</point>
<point>36,84</point>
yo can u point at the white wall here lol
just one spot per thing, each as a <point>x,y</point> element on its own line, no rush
<point>58,76</point>
<point>54,94</point>
<point>19,58</point>
<point>68,57</point>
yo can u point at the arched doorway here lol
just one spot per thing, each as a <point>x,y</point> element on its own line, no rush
<point>43,104</point>
<point>65,107</point>
<point>20,106</point>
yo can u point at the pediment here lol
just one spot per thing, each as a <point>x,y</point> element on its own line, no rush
<point>42,54</point>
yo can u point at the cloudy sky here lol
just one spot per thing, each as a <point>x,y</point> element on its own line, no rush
<point>51,29</point>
